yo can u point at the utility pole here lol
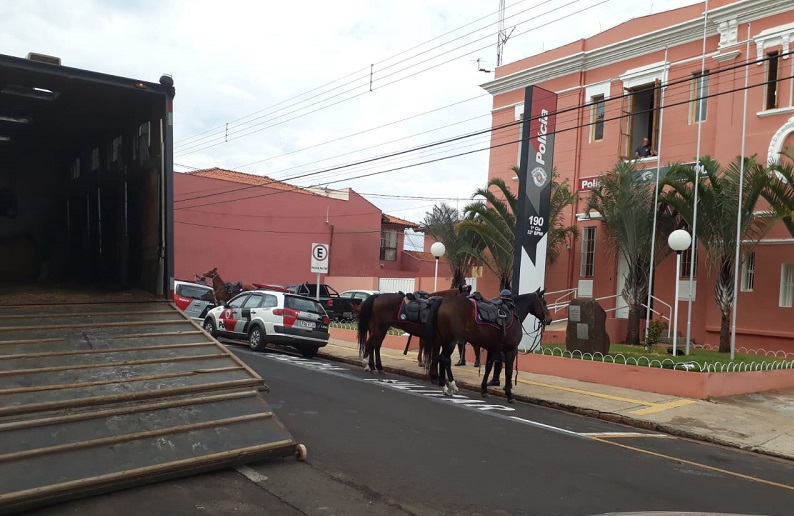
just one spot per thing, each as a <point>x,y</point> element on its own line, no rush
<point>502,36</point>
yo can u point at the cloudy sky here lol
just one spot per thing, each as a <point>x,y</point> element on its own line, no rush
<point>312,92</point>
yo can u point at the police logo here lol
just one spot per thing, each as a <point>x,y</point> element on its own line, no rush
<point>539,176</point>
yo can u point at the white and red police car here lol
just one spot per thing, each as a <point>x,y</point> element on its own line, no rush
<point>271,316</point>
<point>195,299</point>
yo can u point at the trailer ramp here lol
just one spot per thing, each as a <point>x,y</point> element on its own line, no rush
<point>96,397</point>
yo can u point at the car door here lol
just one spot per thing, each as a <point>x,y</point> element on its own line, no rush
<point>246,312</point>
<point>231,315</point>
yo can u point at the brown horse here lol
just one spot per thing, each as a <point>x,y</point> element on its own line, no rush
<point>225,291</point>
<point>377,314</point>
<point>452,321</point>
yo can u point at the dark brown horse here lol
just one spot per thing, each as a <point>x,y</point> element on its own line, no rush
<point>377,314</point>
<point>452,321</point>
<point>224,291</point>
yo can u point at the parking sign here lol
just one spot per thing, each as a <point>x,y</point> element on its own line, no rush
<point>320,257</point>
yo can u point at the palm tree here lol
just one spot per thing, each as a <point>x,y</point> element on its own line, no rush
<point>491,226</point>
<point>717,212</point>
<point>780,192</point>
<point>441,224</point>
<point>559,234</point>
<point>625,200</point>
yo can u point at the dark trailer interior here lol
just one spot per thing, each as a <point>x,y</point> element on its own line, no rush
<point>85,177</point>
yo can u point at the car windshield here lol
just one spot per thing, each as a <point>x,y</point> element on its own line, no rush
<point>194,291</point>
<point>302,304</point>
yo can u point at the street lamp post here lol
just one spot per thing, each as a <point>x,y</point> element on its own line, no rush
<point>679,240</point>
<point>438,251</point>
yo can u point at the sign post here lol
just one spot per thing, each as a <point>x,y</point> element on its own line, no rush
<point>320,256</point>
<point>534,198</point>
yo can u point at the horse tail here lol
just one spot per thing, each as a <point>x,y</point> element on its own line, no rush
<point>431,326</point>
<point>363,322</point>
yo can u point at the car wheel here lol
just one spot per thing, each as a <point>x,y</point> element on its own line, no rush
<point>256,338</point>
<point>209,327</point>
<point>309,352</point>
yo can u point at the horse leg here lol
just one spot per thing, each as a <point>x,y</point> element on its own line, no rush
<point>461,354</point>
<point>378,363</point>
<point>488,365</point>
<point>421,352</point>
<point>450,387</point>
<point>497,370</point>
<point>476,355</point>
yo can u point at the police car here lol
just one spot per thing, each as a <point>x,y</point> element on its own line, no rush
<point>195,299</point>
<point>271,317</point>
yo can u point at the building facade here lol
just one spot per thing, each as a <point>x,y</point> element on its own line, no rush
<point>258,230</point>
<point>677,78</point>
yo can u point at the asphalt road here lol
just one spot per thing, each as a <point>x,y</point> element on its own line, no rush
<point>387,445</point>
<point>400,440</point>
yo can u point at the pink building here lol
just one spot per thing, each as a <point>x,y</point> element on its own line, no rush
<point>642,79</point>
<point>256,229</point>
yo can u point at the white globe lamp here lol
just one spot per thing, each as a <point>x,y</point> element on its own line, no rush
<point>437,249</point>
<point>679,240</point>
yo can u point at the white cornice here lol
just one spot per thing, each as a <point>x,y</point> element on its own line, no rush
<point>686,32</point>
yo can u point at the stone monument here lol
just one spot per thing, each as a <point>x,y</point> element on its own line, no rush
<point>586,331</point>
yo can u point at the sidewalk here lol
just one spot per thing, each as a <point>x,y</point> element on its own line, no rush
<point>762,423</point>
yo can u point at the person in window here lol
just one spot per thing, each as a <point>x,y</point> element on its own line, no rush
<point>644,150</point>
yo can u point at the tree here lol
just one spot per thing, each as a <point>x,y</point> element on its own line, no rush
<point>559,234</point>
<point>780,191</point>
<point>491,226</point>
<point>441,224</point>
<point>625,200</point>
<point>717,212</point>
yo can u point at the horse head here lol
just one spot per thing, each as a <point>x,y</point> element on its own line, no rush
<point>210,273</point>
<point>533,303</point>
<point>465,289</point>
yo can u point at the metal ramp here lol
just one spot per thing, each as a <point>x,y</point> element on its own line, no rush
<point>99,397</point>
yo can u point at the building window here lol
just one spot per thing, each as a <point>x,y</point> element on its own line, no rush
<point>698,95</point>
<point>587,269</point>
<point>771,79</point>
<point>639,118</point>
<point>687,256</point>
<point>520,137</point>
<point>388,245</point>
<point>748,272</point>
<point>597,127</point>
<point>786,285</point>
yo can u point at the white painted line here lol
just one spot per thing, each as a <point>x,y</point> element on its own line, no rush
<point>548,427</point>
<point>251,474</point>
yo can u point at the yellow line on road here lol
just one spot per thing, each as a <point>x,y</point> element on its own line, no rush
<point>696,464</point>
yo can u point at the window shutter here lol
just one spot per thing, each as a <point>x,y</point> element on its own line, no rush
<point>657,111</point>
<point>624,139</point>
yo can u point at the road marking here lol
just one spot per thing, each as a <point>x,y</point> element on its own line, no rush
<point>648,406</point>
<point>613,435</point>
<point>545,426</point>
<point>697,464</point>
<point>251,474</point>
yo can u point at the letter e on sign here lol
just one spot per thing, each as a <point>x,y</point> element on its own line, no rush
<point>320,256</point>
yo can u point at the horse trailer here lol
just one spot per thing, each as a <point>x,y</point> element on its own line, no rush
<point>92,347</point>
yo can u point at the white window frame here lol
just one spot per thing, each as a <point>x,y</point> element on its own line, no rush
<point>388,242</point>
<point>698,95</point>
<point>588,255</point>
<point>592,92</point>
<point>748,272</point>
<point>786,285</point>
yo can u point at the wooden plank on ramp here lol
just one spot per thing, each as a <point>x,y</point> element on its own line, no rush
<point>99,397</point>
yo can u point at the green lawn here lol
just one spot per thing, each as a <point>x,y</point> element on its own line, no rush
<point>702,359</point>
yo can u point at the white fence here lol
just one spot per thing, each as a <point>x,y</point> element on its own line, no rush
<point>397,284</point>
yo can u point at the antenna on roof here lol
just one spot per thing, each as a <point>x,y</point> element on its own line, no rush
<point>502,36</point>
<point>479,66</point>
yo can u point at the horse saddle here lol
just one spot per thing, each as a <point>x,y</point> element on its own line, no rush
<point>234,288</point>
<point>496,312</point>
<point>415,307</point>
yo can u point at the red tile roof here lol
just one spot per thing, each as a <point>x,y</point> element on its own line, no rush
<point>247,179</point>
<point>394,221</point>
<point>424,257</point>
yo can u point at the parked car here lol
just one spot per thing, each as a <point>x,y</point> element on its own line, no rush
<point>358,295</point>
<point>271,317</point>
<point>337,307</point>
<point>193,298</point>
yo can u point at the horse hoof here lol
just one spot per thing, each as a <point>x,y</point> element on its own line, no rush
<point>477,364</point>
<point>381,371</point>
<point>447,391</point>
<point>511,400</point>
<point>484,394</point>
<point>453,387</point>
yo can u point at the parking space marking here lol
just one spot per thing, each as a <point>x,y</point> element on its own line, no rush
<point>251,474</point>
